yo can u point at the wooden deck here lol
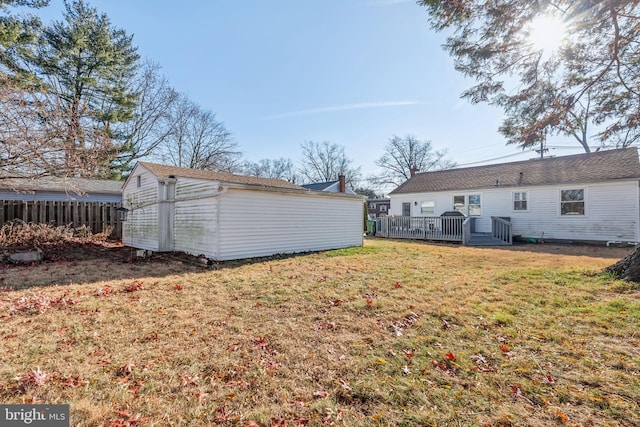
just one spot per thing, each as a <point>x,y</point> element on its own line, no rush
<point>445,229</point>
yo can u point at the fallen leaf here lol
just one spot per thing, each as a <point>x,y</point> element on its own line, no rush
<point>409,354</point>
<point>561,416</point>
<point>450,356</point>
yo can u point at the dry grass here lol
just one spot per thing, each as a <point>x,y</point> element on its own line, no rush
<point>394,333</point>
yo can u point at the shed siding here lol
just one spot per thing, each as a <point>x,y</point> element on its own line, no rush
<point>612,211</point>
<point>258,223</point>
<point>196,217</point>
<point>141,228</point>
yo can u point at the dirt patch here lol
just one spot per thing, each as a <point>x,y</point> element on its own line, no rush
<point>77,263</point>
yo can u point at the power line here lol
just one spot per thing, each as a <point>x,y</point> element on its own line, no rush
<point>496,158</point>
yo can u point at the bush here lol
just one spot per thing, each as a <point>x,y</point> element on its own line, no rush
<point>20,233</point>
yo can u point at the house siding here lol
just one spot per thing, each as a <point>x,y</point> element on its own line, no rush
<point>196,217</point>
<point>611,210</point>
<point>141,228</point>
<point>258,223</point>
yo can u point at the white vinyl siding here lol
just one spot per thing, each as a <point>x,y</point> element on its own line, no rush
<point>196,217</point>
<point>261,223</point>
<point>140,230</point>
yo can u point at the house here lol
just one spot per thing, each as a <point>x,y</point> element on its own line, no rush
<point>49,188</point>
<point>225,216</point>
<point>339,186</point>
<point>378,208</point>
<point>591,197</point>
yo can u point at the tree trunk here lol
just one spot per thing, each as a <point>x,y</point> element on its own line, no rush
<point>628,268</point>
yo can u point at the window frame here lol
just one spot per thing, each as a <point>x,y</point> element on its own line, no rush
<point>479,204</point>
<point>433,207</point>
<point>526,201</point>
<point>563,202</point>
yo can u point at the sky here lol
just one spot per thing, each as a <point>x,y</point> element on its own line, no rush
<point>281,72</point>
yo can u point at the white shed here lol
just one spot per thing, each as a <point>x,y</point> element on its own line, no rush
<point>225,216</point>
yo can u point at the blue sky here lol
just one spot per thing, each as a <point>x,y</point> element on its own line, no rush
<point>282,72</point>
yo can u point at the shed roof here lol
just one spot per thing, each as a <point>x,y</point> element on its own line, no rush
<point>62,184</point>
<point>588,167</point>
<point>164,171</point>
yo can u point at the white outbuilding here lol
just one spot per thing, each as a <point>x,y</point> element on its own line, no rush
<point>226,216</point>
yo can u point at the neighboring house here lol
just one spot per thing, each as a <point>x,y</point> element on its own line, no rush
<point>338,186</point>
<point>378,208</point>
<point>225,216</point>
<point>50,188</point>
<point>62,201</point>
<point>585,197</point>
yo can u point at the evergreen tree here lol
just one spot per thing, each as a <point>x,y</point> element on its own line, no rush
<point>88,68</point>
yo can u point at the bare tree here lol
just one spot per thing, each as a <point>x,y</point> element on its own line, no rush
<point>401,155</point>
<point>32,136</point>
<point>197,140</point>
<point>324,161</point>
<point>272,168</point>
<point>151,124</point>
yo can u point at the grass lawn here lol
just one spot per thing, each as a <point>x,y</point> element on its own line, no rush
<point>393,333</point>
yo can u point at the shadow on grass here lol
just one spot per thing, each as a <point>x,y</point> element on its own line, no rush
<point>80,263</point>
<point>571,249</point>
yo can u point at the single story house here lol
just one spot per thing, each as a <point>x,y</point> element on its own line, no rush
<point>50,188</point>
<point>224,216</point>
<point>339,186</point>
<point>593,197</point>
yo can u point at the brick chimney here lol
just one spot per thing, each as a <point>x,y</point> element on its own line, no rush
<point>413,171</point>
<point>342,183</point>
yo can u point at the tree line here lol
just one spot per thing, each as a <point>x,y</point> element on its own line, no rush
<point>76,99</point>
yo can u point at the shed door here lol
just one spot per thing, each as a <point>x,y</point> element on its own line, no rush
<point>166,208</point>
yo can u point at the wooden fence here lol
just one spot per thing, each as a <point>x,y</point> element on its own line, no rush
<point>96,215</point>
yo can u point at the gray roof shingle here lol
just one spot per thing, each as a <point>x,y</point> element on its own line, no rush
<point>589,167</point>
<point>60,184</point>
<point>164,171</point>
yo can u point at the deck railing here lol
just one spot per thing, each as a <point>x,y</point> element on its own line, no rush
<point>501,229</point>
<point>445,228</point>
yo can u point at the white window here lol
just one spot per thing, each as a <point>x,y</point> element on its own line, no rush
<point>459,204</point>
<point>383,208</point>
<point>474,205</point>
<point>572,202</point>
<point>139,181</point>
<point>520,201</point>
<point>428,207</point>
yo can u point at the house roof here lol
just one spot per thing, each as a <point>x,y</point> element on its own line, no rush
<point>164,171</point>
<point>62,184</point>
<point>319,186</point>
<point>589,167</point>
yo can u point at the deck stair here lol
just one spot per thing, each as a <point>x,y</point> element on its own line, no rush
<point>485,239</point>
